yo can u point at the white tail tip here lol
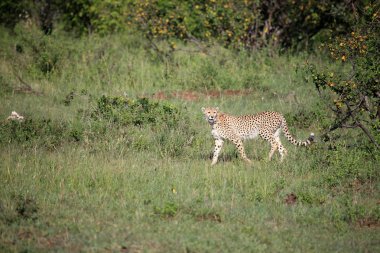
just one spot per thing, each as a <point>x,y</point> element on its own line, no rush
<point>311,137</point>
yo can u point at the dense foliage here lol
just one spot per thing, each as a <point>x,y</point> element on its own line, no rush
<point>138,112</point>
<point>354,95</point>
<point>248,23</point>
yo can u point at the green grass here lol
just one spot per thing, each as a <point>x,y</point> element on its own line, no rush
<point>85,183</point>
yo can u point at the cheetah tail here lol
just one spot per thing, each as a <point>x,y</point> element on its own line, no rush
<point>291,139</point>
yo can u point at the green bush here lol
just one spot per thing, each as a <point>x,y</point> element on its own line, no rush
<point>348,211</point>
<point>249,24</point>
<point>240,24</point>
<point>43,131</point>
<point>303,118</point>
<point>138,112</point>
<point>86,16</point>
<point>11,12</point>
<point>41,55</point>
<point>169,209</point>
<point>346,165</point>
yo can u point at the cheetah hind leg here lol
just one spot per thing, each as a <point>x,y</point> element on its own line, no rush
<point>282,151</point>
<point>280,148</point>
<point>274,146</point>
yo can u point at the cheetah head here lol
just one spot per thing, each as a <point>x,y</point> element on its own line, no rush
<point>211,114</point>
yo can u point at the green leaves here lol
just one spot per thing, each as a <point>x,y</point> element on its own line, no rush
<point>102,17</point>
<point>140,111</point>
<point>355,93</point>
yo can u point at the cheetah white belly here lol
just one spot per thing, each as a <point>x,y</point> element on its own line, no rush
<point>251,135</point>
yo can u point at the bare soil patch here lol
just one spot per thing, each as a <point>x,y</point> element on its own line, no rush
<point>368,223</point>
<point>209,217</point>
<point>291,199</point>
<point>196,95</point>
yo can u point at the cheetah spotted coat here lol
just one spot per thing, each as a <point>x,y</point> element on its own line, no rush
<point>267,125</point>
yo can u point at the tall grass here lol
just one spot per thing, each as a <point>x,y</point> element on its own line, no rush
<point>74,179</point>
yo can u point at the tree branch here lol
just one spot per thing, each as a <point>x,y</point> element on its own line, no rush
<point>365,130</point>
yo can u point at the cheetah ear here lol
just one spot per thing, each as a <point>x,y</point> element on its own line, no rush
<point>203,109</point>
<point>217,108</point>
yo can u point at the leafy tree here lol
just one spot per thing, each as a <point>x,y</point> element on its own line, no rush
<point>88,16</point>
<point>246,24</point>
<point>354,96</point>
<point>249,24</point>
<point>11,12</point>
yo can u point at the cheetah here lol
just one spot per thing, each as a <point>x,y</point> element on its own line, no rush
<point>267,125</point>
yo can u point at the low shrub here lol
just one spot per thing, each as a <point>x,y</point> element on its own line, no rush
<point>345,165</point>
<point>43,131</point>
<point>143,124</point>
<point>20,208</point>
<point>138,112</point>
<point>169,209</point>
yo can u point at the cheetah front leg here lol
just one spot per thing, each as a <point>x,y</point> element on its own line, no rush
<point>218,147</point>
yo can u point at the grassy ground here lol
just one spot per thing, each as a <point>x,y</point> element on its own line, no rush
<point>76,176</point>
